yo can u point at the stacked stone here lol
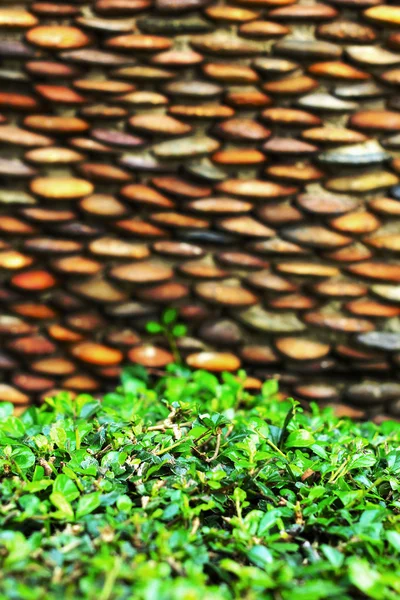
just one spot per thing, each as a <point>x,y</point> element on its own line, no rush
<point>240,162</point>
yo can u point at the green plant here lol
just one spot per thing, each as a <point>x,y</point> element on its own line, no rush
<point>193,489</point>
<point>169,327</point>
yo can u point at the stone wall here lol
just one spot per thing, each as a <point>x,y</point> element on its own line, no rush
<point>239,162</point>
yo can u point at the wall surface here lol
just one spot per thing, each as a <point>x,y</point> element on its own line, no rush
<point>240,162</point>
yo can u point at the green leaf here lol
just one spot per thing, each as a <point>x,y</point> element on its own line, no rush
<point>154,327</point>
<point>23,457</point>
<point>169,316</point>
<point>179,330</point>
<point>64,507</point>
<point>88,504</point>
<point>300,439</point>
<point>66,487</point>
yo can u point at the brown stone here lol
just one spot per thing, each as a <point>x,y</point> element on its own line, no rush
<point>16,18</point>
<point>99,290</point>
<point>291,86</point>
<point>315,236</point>
<point>304,12</point>
<point>356,223</point>
<point>370,308</point>
<point>333,135</point>
<point>346,31</point>
<point>118,248</point>
<point>142,272</point>
<point>202,111</point>
<point>367,182</point>
<point>247,99</point>
<point>265,280</point>
<point>224,294</point>
<point>54,156</point>
<point>240,157</point>
<point>340,289</point>
<point>230,73</point>
<point>338,70</point>
<point>338,322</point>
<point>158,124</point>
<point>306,269</point>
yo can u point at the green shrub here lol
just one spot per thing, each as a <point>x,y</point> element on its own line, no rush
<point>192,489</point>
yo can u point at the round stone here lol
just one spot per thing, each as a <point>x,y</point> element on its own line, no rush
<point>142,272</point>
<point>224,294</point>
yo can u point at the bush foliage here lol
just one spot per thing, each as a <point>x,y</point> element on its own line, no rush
<point>191,488</point>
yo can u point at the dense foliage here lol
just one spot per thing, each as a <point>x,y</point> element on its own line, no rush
<point>191,488</point>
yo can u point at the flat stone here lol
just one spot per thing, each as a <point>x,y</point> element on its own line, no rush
<point>255,189</point>
<point>139,43</point>
<point>181,188</point>
<point>215,362</point>
<point>117,248</point>
<point>17,49</point>
<point>150,356</point>
<point>372,55</point>
<point>376,120</point>
<point>96,354</point>
<point>57,37</point>
<point>158,124</point>
<point>225,295</point>
<point>225,45</point>
<point>143,73</point>
<point>16,18</point>
<point>370,393</point>
<point>221,332</point>
<point>105,25</point>
<point>94,56</point>
<point>287,146</point>
<point>116,8</point>
<point>371,308</point>
<point>186,147</point>
<point>354,155</point>
<point>340,289</point>
<point>230,73</point>
<point>338,70</point>
<point>325,102</point>
<point>33,281</point>
<point>142,272</point>
<point>350,254</point>
<point>202,111</point>
<point>290,117</point>
<point>376,270</point>
<point>295,173</point>
<point>61,188</point>
<point>143,194</point>
<point>315,236</point>
<point>173,26</point>
<point>326,204</point>
<point>333,135</point>
<point>117,138</point>
<point>56,124</point>
<point>289,86</point>
<point>193,89</point>
<point>311,49</point>
<point>177,58</point>
<point>54,156</point>
<point>242,260</point>
<point>9,393</point>
<point>18,102</point>
<point>247,99</point>
<point>177,220</point>
<point>265,280</point>
<point>241,129</point>
<point>263,30</point>
<point>34,345</point>
<point>381,340</point>
<point>307,269</point>
<point>76,265</point>
<point>13,167</point>
<point>363,91</point>
<point>297,348</point>
<point>239,157</point>
<point>367,182</point>
<point>178,249</point>
<point>304,12</point>
<point>258,318</point>
<point>271,67</point>
<point>385,206</point>
<point>99,290</point>
<point>391,293</point>
<point>338,322</point>
<point>279,213</point>
<point>346,31</point>
<point>384,15</point>
<point>103,205</point>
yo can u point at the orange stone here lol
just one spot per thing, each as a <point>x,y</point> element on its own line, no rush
<point>97,354</point>
<point>216,362</point>
<point>57,37</point>
<point>254,189</point>
<point>9,393</point>
<point>376,120</point>
<point>59,93</point>
<point>338,70</point>
<point>61,188</point>
<point>301,349</point>
<point>141,43</point>
<point>150,356</point>
<point>14,260</point>
<point>33,281</point>
<point>56,124</point>
<point>356,223</point>
<point>54,156</point>
<point>16,18</point>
